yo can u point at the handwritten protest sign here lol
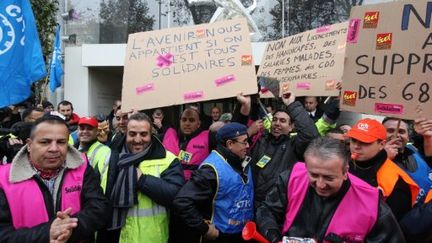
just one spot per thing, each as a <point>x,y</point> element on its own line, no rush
<point>389,60</point>
<point>191,64</point>
<point>309,63</point>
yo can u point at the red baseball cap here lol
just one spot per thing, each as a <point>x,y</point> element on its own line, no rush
<point>87,120</point>
<point>368,131</point>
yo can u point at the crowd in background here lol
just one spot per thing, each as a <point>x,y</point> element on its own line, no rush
<point>291,167</point>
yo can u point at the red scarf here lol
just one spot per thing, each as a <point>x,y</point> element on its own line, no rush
<point>45,174</point>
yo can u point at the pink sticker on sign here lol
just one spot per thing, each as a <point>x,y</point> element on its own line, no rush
<point>193,95</point>
<point>389,108</point>
<point>323,29</point>
<point>353,30</point>
<point>224,80</point>
<point>145,88</point>
<point>164,60</point>
<point>304,86</point>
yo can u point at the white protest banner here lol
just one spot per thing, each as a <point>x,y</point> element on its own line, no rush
<point>190,64</point>
<point>388,69</point>
<point>309,63</point>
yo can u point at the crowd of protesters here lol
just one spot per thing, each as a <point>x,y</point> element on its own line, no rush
<point>293,168</point>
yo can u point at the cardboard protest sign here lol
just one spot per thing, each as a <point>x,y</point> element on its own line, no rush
<point>190,64</point>
<point>309,63</point>
<point>388,68</point>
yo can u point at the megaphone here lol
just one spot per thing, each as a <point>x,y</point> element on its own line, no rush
<point>249,232</point>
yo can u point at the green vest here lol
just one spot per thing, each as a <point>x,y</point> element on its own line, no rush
<point>99,155</point>
<point>323,127</point>
<point>71,141</point>
<point>148,221</point>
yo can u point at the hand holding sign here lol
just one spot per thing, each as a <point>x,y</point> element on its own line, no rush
<point>288,98</point>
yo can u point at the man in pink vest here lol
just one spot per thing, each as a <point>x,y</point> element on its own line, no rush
<point>49,193</point>
<point>319,199</point>
<point>190,143</point>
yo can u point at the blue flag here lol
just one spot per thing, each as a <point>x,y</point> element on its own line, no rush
<point>56,71</point>
<point>21,60</point>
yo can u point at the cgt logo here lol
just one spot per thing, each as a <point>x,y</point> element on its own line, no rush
<point>246,60</point>
<point>370,20</point>
<point>349,98</point>
<point>384,41</point>
<point>363,126</point>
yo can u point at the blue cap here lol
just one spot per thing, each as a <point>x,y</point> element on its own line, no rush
<point>230,131</point>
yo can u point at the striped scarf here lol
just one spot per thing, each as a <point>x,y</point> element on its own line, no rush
<point>124,194</point>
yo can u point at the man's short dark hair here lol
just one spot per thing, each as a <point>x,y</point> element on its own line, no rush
<point>407,123</point>
<point>65,103</point>
<point>29,110</point>
<point>284,111</point>
<point>386,119</point>
<point>48,119</point>
<point>140,117</point>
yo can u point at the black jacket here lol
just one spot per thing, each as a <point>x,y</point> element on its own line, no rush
<point>92,216</point>
<point>400,199</point>
<point>284,151</point>
<point>161,189</point>
<point>315,215</point>
<point>417,223</point>
<point>194,201</point>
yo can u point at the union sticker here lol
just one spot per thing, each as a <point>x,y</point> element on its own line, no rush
<point>246,60</point>
<point>349,98</point>
<point>370,20</point>
<point>384,41</point>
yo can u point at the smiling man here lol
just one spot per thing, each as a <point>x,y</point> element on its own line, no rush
<point>278,151</point>
<point>319,199</point>
<point>97,153</point>
<point>66,109</point>
<point>149,178</point>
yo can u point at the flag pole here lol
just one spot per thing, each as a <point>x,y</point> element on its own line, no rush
<point>45,85</point>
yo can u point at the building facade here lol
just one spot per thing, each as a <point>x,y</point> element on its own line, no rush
<point>95,34</point>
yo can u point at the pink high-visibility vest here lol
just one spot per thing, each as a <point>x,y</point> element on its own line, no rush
<point>26,201</point>
<point>196,150</point>
<point>355,215</point>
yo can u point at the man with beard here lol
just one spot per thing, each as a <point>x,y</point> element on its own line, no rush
<point>66,109</point>
<point>148,179</point>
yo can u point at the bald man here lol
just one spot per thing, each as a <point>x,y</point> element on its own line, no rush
<point>190,143</point>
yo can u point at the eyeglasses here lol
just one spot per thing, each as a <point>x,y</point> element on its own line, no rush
<point>245,143</point>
